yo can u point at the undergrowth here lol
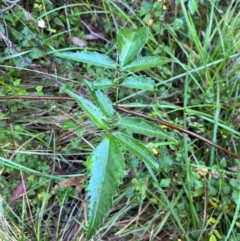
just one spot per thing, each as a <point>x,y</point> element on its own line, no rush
<point>45,142</point>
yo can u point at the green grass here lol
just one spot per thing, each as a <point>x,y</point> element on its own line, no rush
<point>195,196</point>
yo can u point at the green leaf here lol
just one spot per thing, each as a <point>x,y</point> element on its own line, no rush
<point>236,196</point>
<point>139,82</point>
<point>36,53</point>
<point>103,84</point>
<point>13,56</point>
<point>102,101</point>
<point>144,127</point>
<point>17,82</point>
<point>212,238</point>
<point>107,168</point>
<point>165,182</point>
<point>137,148</point>
<point>146,62</point>
<point>192,6</point>
<point>130,43</point>
<point>68,124</point>
<point>91,110</point>
<point>216,232</point>
<point>93,58</point>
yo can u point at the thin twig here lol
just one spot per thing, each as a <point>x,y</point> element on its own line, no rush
<point>118,108</point>
<point>168,124</point>
<point>95,34</point>
<point>13,3</point>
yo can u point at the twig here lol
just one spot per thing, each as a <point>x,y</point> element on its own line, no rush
<point>13,3</point>
<point>118,108</point>
<point>168,124</point>
<point>95,34</point>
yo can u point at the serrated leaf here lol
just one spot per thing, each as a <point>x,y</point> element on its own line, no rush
<point>144,127</point>
<point>92,58</point>
<point>146,62</point>
<point>107,169</point>
<point>130,43</point>
<point>102,101</point>
<point>91,110</point>
<point>103,84</point>
<point>137,148</point>
<point>139,82</point>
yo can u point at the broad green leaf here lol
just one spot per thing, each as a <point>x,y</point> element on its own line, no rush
<point>107,169</point>
<point>92,58</point>
<point>130,43</point>
<point>144,127</point>
<point>139,82</point>
<point>103,84</point>
<point>137,148</point>
<point>91,110</point>
<point>146,62</point>
<point>102,101</point>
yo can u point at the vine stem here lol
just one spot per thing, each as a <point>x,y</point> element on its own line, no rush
<point>133,113</point>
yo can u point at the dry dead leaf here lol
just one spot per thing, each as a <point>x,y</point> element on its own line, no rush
<point>28,15</point>
<point>77,41</point>
<point>236,121</point>
<point>20,189</point>
<point>94,36</point>
<point>69,182</point>
<point>233,168</point>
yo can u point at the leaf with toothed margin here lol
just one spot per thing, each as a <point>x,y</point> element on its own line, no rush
<point>92,58</point>
<point>137,149</point>
<point>102,101</point>
<point>91,110</point>
<point>139,82</point>
<point>146,62</point>
<point>144,127</point>
<point>106,167</point>
<point>130,43</point>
